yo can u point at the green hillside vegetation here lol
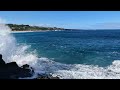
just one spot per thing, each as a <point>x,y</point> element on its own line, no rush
<point>16,27</point>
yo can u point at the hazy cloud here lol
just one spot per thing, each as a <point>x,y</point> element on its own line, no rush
<point>43,25</point>
<point>52,25</point>
<point>2,20</point>
<point>109,25</point>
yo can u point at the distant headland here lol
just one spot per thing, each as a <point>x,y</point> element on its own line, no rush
<point>22,27</point>
<point>26,28</point>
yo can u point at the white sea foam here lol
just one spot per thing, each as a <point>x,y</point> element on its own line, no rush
<point>12,52</point>
<point>79,71</point>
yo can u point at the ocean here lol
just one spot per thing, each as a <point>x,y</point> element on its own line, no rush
<point>68,54</point>
<point>74,47</point>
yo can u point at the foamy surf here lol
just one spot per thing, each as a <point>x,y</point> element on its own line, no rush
<point>11,51</point>
<point>78,71</point>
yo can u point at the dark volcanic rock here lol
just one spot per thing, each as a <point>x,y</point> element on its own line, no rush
<point>26,66</point>
<point>2,62</point>
<point>26,71</point>
<point>13,71</point>
<point>46,76</point>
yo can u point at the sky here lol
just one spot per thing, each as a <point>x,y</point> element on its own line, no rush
<point>65,19</point>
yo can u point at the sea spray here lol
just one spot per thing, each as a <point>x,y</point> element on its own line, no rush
<point>11,51</point>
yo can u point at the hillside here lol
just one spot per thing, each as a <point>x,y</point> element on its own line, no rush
<point>16,27</point>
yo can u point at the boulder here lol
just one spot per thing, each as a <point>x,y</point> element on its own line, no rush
<point>26,66</point>
<point>13,71</point>
<point>46,76</point>
<point>26,71</point>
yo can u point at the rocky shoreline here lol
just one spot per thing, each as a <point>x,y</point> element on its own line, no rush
<point>46,76</point>
<point>13,71</point>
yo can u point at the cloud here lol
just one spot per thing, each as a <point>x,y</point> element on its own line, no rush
<point>51,25</point>
<point>43,25</point>
<point>109,25</point>
<point>2,21</point>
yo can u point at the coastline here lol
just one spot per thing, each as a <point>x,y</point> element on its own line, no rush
<point>32,31</point>
<point>29,31</point>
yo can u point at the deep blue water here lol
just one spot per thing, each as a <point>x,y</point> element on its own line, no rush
<point>100,47</point>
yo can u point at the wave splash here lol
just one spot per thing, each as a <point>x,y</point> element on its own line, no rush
<point>11,51</point>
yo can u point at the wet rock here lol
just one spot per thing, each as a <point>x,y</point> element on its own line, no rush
<point>26,66</point>
<point>13,71</point>
<point>26,71</point>
<point>46,76</point>
<point>2,62</point>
